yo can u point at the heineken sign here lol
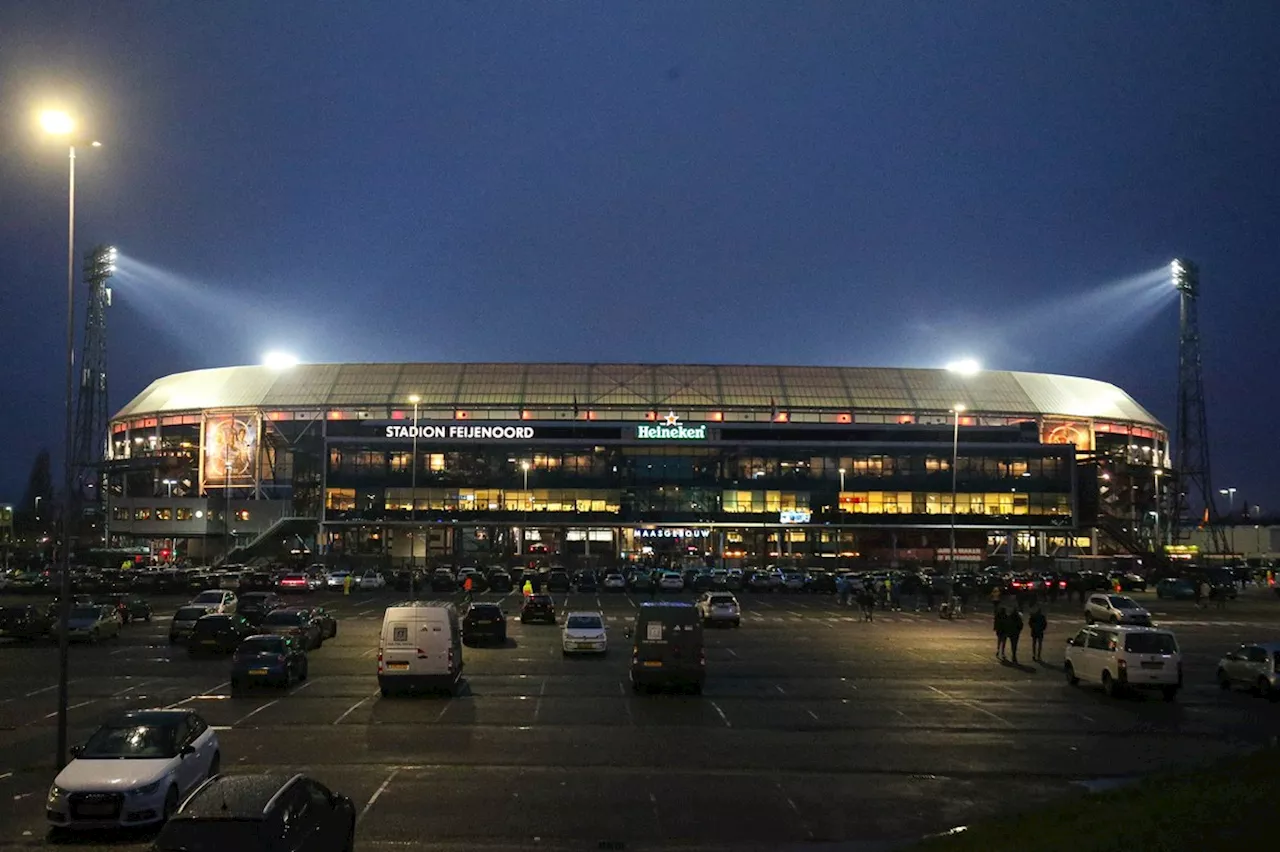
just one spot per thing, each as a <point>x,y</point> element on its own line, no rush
<point>671,429</point>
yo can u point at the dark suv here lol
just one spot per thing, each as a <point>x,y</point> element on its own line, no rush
<point>218,634</point>
<point>667,647</point>
<point>484,622</point>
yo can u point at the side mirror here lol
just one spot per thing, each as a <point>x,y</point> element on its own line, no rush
<point>186,750</point>
<point>76,750</point>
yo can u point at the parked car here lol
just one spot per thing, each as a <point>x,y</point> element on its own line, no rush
<point>484,622</point>
<point>372,581</point>
<point>133,770</point>
<point>24,622</point>
<point>130,607</point>
<point>268,659</point>
<point>667,646</point>
<point>328,624</point>
<point>296,622</point>
<point>584,632</point>
<point>1256,666</point>
<point>1121,657</point>
<point>615,582</point>
<point>184,620</point>
<point>558,581</point>
<point>218,633</point>
<point>1176,588</point>
<point>216,600</point>
<point>92,623</point>
<point>254,606</point>
<point>1115,609</point>
<point>442,580</point>
<point>261,813</point>
<point>586,582</point>
<point>419,646</point>
<point>641,581</point>
<point>719,608</point>
<point>671,581</point>
<point>337,579</point>
<point>500,581</point>
<point>538,607</point>
<point>296,582</point>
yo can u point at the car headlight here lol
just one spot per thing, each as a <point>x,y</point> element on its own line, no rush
<point>146,789</point>
<point>56,793</point>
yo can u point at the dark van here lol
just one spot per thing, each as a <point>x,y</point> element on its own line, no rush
<point>667,647</point>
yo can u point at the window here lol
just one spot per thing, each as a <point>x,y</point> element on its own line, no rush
<point>164,514</point>
<point>242,515</point>
<point>183,514</point>
<point>142,514</point>
<point>1098,640</point>
<point>340,499</point>
<point>120,513</point>
<point>1257,655</point>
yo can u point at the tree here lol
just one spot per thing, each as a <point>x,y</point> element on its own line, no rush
<point>37,511</point>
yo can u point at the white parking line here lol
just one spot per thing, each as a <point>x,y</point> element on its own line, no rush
<point>247,716</point>
<point>813,714</point>
<point>537,707</point>
<point>353,708</point>
<point>205,694</point>
<point>972,706</point>
<point>378,792</point>
<point>72,707</point>
<point>130,689</point>
<point>4,775</point>
<point>723,717</point>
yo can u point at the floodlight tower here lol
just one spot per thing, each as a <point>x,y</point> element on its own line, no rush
<point>89,439</point>
<point>1192,461</point>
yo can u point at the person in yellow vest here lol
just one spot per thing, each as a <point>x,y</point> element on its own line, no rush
<point>527,588</point>
<point>346,585</point>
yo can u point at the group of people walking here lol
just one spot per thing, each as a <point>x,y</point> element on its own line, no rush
<point>1008,628</point>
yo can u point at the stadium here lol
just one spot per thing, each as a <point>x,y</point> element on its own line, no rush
<point>419,462</point>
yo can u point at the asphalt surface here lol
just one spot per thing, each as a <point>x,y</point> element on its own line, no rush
<point>814,727</point>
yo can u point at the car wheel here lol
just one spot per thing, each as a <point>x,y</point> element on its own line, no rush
<point>216,764</point>
<point>350,845</point>
<point>385,690</point>
<point>334,634</point>
<point>1070,672</point>
<point>1264,688</point>
<point>1109,685</point>
<point>1224,680</point>
<point>170,803</point>
<point>1088,618</point>
<point>1169,692</point>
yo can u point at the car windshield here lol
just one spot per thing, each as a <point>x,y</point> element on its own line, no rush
<point>1150,643</point>
<point>86,612</point>
<point>721,600</point>
<point>262,645</point>
<point>211,835</point>
<point>1122,603</point>
<point>189,613</point>
<point>253,599</point>
<point>540,599</point>
<point>212,624</point>
<point>584,622</point>
<point>208,597</point>
<point>282,616</point>
<point>130,741</point>
<point>486,610</point>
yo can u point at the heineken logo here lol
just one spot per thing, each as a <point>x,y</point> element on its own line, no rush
<point>671,429</point>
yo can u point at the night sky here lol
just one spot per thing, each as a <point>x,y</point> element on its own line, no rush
<point>848,183</point>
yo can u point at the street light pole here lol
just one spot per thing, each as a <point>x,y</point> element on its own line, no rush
<point>1230,494</point>
<point>413,498</point>
<point>955,449</point>
<point>524,528</point>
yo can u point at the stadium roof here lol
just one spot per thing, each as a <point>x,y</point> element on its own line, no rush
<point>635,386</point>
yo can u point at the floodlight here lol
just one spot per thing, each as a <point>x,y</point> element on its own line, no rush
<point>57,122</point>
<point>965,367</point>
<point>279,360</point>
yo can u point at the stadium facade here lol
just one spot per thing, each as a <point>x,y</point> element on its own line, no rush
<point>608,461</point>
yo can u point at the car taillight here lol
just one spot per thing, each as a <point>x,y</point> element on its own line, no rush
<point>379,660</point>
<point>702,657</point>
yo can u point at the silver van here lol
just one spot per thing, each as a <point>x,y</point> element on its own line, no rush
<point>420,647</point>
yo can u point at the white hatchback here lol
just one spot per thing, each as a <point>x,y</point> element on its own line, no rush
<point>216,600</point>
<point>584,633</point>
<point>1121,657</point>
<point>134,770</point>
<point>670,581</point>
<point>719,608</point>
<point>1115,609</point>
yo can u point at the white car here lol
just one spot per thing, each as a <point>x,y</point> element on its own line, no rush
<point>615,582</point>
<point>336,579</point>
<point>1121,657</point>
<point>216,600</point>
<point>372,580</point>
<point>584,633</point>
<point>719,608</point>
<point>134,770</point>
<point>1115,609</point>
<point>670,581</point>
<point>91,622</point>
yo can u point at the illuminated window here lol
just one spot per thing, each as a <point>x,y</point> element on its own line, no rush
<point>142,514</point>
<point>340,499</point>
<point>164,514</point>
<point>120,513</point>
<point>183,514</point>
<point>242,515</point>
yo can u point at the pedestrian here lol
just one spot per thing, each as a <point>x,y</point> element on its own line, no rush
<point>1013,626</point>
<point>842,589</point>
<point>1001,631</point>
<point>527,588</point>
<point>466,587</point>
<point>1219,595</point>
<point>995,597</point>
<point>868,601</point>
<point>1204,592</point>
<point>1037,622</point>
<point>346,585</point>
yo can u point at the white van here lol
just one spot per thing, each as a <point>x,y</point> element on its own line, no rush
<point>1121,657</point>
<point>420,647</point>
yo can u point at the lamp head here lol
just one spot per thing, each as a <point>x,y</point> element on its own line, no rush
<point>414,399</point>
<point>55,122</point>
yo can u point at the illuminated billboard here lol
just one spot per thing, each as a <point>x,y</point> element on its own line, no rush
<point>229,450</point>
<point>1080,435</point>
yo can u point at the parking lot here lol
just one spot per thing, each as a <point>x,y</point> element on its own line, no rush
<point>814,726</point>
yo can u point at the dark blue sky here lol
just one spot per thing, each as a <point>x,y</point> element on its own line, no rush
<point>861,183</point>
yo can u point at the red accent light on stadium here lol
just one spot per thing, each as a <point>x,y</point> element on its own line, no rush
<point>397,415</point>
<point>461,415</point>
<point>591,415</point>
<point>651,415</point>
<point>781,417</point>
<point>844,418</point>
<point>716,416</point>
<point>526,415</point>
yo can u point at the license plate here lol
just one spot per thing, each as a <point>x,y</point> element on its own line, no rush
<point>257,671</point>
<point>484,621</point>
<point>397,667</point>
<point>96,809</point>
<point>585,646</point>
<point>653,664</point>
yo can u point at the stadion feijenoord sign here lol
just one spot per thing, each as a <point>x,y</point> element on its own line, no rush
<point>671,429</point>
<point>464,433</point>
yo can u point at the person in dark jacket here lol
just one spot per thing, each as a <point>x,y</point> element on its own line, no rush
<point>1013,627</point>
<point>1037,622</point>
<point>1002,633</point>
